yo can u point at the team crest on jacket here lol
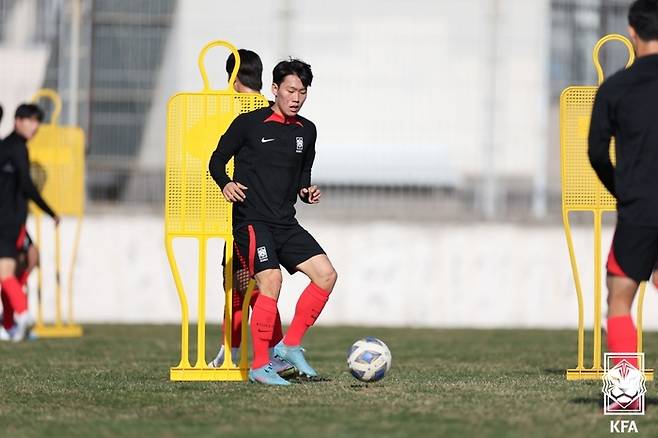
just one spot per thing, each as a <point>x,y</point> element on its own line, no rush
<point>300,145</point>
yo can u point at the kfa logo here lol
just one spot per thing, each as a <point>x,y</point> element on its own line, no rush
<point>624,384</point>
<point>262,254</point>
<point>300,144</point>
<point>623,426</point>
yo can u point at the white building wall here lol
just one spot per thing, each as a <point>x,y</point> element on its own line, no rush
<point>390,77</point>
<point>389,274</point>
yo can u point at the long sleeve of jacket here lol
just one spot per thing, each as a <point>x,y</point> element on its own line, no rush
<point>229,144</point>
<point>305,180</point>
<point>21,162</point>
<point>601,131</point>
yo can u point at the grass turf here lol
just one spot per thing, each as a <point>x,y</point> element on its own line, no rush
<point>485,383</point>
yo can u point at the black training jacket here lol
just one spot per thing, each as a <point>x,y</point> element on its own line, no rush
<point>16,186</point>
<point>273,159</point>
<point>626,108</point>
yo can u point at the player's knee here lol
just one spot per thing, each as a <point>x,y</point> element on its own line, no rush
<point>332,277</point>
<point>6,270</point>
<point>327,278</point>
<point>620,296</point>
<point>270,282</point>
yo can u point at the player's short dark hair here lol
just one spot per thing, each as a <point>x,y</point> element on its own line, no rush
<point>293,67</point>
<point>643,17</point>
<point>29,111</point>
<point>251,68</point>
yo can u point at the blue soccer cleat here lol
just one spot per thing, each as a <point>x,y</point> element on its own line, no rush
<point>267,376</point>
<point>295,356</point>
<point>282,367</point>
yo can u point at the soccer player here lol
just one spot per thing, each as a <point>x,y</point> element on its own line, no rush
<point>626,107</point>
<point>248,80</point>
<point>16,188</point>
<point>274,150</point>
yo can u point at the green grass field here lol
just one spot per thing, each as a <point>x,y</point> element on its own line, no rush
<point>485,383</point>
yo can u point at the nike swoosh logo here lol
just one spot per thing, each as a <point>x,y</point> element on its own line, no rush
<point>266,140</point>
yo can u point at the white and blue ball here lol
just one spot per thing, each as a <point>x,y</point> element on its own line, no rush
<point>369,359</point>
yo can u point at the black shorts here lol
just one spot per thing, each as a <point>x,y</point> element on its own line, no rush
<point>260,247</point>
<point>634,252</point>
<point>11,240</point>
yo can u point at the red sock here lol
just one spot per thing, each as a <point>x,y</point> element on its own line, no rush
<point>277,334</point>
<point>17,298</point>
<point>262,328</point>
<point>7,311</point>
<point>622,336</point>
<point>308,308</point>
<point>236,319</point>
<point>23,277</point>
<point>236,330</point>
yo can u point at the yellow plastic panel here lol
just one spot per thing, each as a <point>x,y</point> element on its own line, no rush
<point>195,207</point>
<point>582,191</point>
<point>57,155</point>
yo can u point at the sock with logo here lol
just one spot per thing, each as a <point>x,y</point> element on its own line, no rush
<point>262,329</point>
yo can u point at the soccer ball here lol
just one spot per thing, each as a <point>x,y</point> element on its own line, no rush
<point>369,359</point>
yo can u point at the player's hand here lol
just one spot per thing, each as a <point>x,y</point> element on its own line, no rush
<point>311,194</point>
<point>234,192</point>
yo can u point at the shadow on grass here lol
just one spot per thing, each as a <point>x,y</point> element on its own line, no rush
<point>555,371</point>
<point>317,379</point>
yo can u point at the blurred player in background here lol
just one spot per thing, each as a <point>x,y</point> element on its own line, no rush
<point>274,150</point>
<point>248,80</point>
<point>16,189</point>
<point>626,108</point>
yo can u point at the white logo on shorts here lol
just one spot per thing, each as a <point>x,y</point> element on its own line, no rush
<point>262,254</point>
<point>300,144</point>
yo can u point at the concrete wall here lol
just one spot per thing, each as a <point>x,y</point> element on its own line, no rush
<point>390,274</point>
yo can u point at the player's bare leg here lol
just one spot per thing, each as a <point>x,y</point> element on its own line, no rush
<point>621,293</point>
<point>32,258</point>
<point>27,261</point>
<point>320,271</point>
